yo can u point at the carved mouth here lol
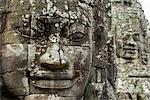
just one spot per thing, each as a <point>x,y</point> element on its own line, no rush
<point>130,54</point>
<point>54,66</point>
<point>130,47</point>
<point>53,80</point>
<point>130,50</point>
<point>54,84</point>
<point>57,75</point>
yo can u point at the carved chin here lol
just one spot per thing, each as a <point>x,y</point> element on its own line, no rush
<point>54,84</point>
<point>127,54</point>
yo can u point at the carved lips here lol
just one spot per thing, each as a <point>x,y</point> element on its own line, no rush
<point>53,75</point>
<point>130,51</point>
<point>54,80</point>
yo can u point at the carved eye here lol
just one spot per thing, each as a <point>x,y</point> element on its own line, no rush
<point>77,36</point>
<point>40,26</point>
<point>126,37</point>
<point>136,37</point>
<point>24,29</point>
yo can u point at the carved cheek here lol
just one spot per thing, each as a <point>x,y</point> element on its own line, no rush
<point>119,49</point>
<point>76,56</point>
<point>14,49</point>
<point>13,56</point>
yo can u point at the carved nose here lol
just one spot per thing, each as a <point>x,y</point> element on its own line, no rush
<point>53,58</point>
<point>131,41</point>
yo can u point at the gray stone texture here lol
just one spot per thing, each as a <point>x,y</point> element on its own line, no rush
<point>129,27</point>
<point>74,50</point>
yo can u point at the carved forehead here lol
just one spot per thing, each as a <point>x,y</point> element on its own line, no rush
<point>64,2</point>
<point>67,5</point>
<point>68,10</point>
<point>71,3</point>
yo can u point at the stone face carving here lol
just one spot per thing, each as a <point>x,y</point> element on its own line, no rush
<point>131,55</point>
<point>127,35</point>
<point>129,46</point>
<point>47,49</point>
<point>53,48</point>
<point>73,50</point>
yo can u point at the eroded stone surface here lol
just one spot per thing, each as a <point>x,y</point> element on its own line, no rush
<point>17,82</point>
<point>74,50</point>
<point>14,57</point>
<point>131,47</point>
<point>49,46</point>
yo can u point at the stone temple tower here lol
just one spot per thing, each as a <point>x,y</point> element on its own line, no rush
<point>129,27</point>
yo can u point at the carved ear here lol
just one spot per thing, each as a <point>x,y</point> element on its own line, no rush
<point>119,51</point>
<point>1,81</point>
<point>2,15</point>
<point>2,21</point>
